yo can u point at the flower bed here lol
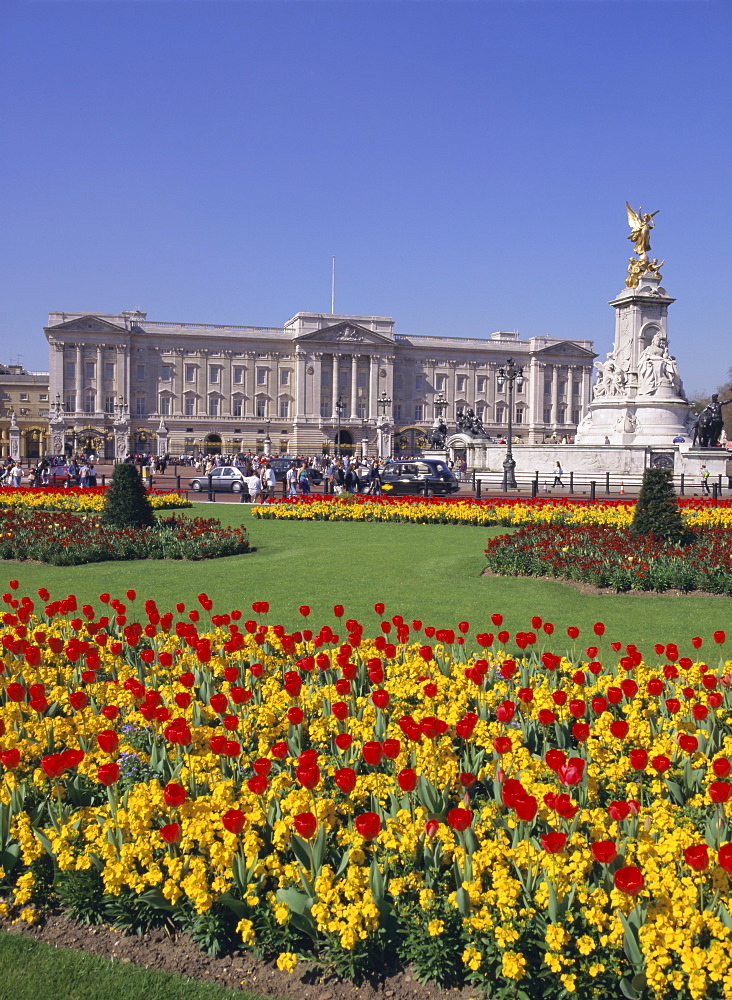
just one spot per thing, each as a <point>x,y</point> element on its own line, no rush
<point>537,817</point>
<point>76,500</point>
<point>63,539</point>
<point>612,557</point>
<point>452,510</point>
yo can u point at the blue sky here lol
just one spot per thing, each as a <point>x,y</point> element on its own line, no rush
<point>467,163</point>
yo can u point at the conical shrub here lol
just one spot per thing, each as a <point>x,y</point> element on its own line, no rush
<point>657,511</point>
<point>126,504</point>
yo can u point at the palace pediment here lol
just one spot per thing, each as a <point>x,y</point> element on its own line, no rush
<point>87,324</point>
<point>345,333</point>
<point>564,348</point>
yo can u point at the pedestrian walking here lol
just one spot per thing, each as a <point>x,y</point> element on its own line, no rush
<point>558,473</point>
<point>705,479</point>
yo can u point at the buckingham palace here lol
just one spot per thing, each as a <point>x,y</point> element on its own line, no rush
<point>120,383</point>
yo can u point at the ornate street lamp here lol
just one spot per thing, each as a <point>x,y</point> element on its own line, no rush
<point>383,402</point>
<point>510,373</point>
<point>441,404</point>
<point>339,408</point>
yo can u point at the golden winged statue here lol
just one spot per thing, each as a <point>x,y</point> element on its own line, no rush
<point>641,225</point>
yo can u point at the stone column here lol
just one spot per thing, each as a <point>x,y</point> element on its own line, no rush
<point>317,383</point>
<point>373,386</point>
<point>300,386</point>
<point>335,386</point>
<point>250,383</point>
<point>178,383</point>
<point>555,396</point>
<point>353,408</point>
<point>585,400</point>
<point>100,378</point>
<point>79,378</point>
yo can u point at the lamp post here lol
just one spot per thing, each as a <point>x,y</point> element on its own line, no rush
<point>383,402</point>
<point>510,373</point>
<point>441,404</point>
<point>267,439</point>
<point>339,408</point>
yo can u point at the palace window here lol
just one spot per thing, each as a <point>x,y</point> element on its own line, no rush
<point>236,407</point>
<point>547,414</point>
<point>140,373</point>
<point>500,414</point>
<point>70,404</point>
<point>419,411</point>
<point>140,406</point>
<point>261,376</point>
<point>441,383</point>
<point>70,369</point>
<point>189,406</point>
<point>109,404</point>
<point>89,368</point>
<point>109,370</point>
<point>284,376</point>
<point>190,373</point>
<point>362,411</point>
<point>575,416</point>
<point>261,410</point>
<point>284,408</point>
<point>462,383</point>
<point>397,411</point>
<point>89,402</point>
<point>419,382</point>
<point>214,374</point>
<point>165,373</point>
<point>519,414</point>
<point>363,377</point>
<point>213,406</point>
<point>238,376</point>
<point>165,406</point>
<point>481,383</point>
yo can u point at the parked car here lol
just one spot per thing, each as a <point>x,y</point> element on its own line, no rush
<point>60,474</point>
<point>280,466</point>
<point>429,477</point>
<point>223,478</point>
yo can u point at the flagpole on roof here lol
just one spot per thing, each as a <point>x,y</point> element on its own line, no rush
<point>332,286</point>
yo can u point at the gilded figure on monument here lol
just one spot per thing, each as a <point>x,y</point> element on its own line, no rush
<point>641,223</point>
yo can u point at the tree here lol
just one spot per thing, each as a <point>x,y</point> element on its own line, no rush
<point>126,504</point>
<point>657,512</point>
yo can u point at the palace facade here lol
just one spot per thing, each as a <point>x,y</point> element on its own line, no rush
<point>123,382</point>
<point>24,412</point>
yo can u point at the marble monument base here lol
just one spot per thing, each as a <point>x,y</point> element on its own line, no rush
<point>640,421</point>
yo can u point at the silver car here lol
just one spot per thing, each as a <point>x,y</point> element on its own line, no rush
<point>224,478</point>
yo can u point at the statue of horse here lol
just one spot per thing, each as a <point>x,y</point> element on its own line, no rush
<point>709,424</point>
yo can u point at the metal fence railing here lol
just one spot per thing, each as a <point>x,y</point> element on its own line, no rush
<point>608,485</point>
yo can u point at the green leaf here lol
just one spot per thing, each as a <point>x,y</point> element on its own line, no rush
<point>301,851</point>
<point>630,944</point>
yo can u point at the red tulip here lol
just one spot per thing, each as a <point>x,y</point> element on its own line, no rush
<point>108,740</point>
<point>724,857</point>
<point>306,824</point>
<point>580,731</point>
<point>554,842</point>
<point>660,763</point>
<point>618,811</point>
<point>460,819</point>
<point>502,744</point>
<point>343,741</point>
<point>604,851</point>
<point>573,632</point>
<point>598,628</point>
<point>372,753</point>
<point>629,880</point>
<point>526,808</point>
<point>10,758</point>
<point>638,759</point>
<point>697,857</point>
<point>295,715</point>
<point>170,833</point>
<point>308,775</point>
<point>379,608</point>
<point>407,779</point>
<point>345,779</point>
<point>174,795</point>
<point>391,748</point>
<point>258,784</point>
<point>304,610</point>
<point>368,824</point>
<point>719,791</point>
<point>719,637</point>
<point>108,774</point>
<point>234,820</point>
<point>721,767</point>
<point>619,729</point>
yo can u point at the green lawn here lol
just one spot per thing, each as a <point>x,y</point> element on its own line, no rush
<point>431,572</point>
<point>30,970</point>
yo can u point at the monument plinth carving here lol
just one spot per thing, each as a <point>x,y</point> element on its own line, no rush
<point>638,396</point>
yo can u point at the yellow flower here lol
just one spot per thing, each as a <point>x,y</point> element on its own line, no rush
<point>286,961</point>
